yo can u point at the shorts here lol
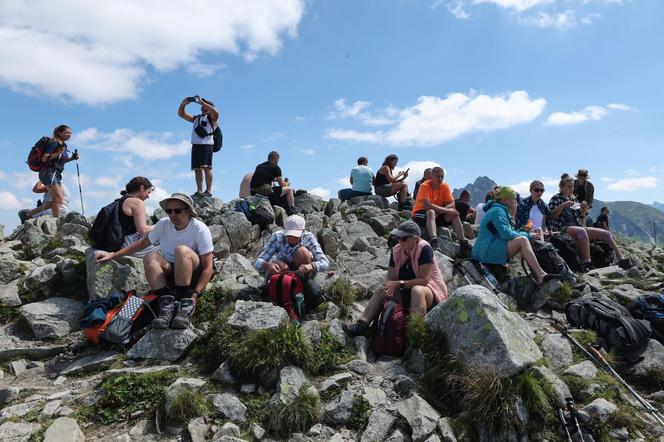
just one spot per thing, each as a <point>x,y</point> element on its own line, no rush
<point>385,190</point>
<point>275,197</point>
<point>49,176</point>
<point>420,218</point>
<point>201,156</point>
<point>346,194</point>
<point>170,277</point>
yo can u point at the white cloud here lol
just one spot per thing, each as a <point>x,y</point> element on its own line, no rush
<point>559,20</point>
<point>300,118</point>
<point>157,195</point>
<point>589,113</point>
<point>20,180</point>
<point>632,173</point>
<point>308,152</point>
<point>146,145</point>
<point>321,192</point>
<point>606,179</point>
<point>435,120</point>
<point>516,5</point>
<point>657,169</point>
<point>416,170</point>
<point>204,70</point>
<point>359,111</point>
<point>630,184</point>
<point>108,181</point>
<point>110,45</point>
<point>344,181</point>
<point>9,201</point>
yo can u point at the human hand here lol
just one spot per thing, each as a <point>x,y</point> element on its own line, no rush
<point>568,203</point>
<point>305,269</point>
<point>452,211</point>
<point>391,288</point>
<point>102,256</point>
<point>271,268</point>
<point>74,155</point>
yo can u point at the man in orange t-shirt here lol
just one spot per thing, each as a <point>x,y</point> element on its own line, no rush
<point>434,207</point>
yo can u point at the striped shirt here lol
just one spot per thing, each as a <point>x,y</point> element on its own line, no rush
<point>278,248</point>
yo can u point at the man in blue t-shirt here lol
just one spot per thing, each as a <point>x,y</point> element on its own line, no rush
<point>361,180</point>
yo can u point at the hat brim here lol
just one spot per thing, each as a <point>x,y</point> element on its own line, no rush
<point>164,202</point>
<point>294,232</point>
<point>400,233</point>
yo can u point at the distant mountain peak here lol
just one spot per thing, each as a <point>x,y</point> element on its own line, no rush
<point>477,189</point>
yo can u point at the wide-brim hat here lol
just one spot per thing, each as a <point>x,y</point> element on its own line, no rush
<point>408,228</point>
<point>182,197</point>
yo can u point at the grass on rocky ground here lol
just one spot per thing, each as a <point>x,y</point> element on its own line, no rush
<point>187,405</point>
<point>209,304</point>
<point>300,414</point>
<point>359,415</point>
<point>564,294</point>
<point>257,409</point>
<point>342,294</point>
<point>124,395</point>
<point>625,416</point>
<point>7,314</point>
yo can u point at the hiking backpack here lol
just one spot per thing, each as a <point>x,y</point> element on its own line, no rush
<point>106,232</point>
<point>259,216</point>
<point>217,135</point>
<point>36,153</point>
<point>286,290</point>
<point>601,254</point>
<point>650,308</point>
<point>566,248</point>
<point>615,327</point>
<point>122,325</point>
<point>549,259</point>
<point>389,335</point>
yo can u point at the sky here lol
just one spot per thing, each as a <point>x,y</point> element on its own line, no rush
<point>511,89</point>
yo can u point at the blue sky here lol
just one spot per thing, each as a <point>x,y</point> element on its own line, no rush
<point>511,89</point>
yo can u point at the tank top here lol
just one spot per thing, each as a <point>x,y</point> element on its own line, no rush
<point>380,180</point>
<point>126,221</point>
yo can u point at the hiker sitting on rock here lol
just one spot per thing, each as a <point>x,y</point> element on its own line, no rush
<point>533,213</point>
<point>292,249</point>
<point>462,205</point>
<point>425,176</point>
<point>603,219</point>
<point>184,263</point>
<point>568,216</point>
<point>261,184</point>
<point>479,209</point>
<point>386,184</point>
<point>361,180</point>
<point>44,208</point>
<point>434,207</point>
<point>497,242</point>
<point>413,279</point>
<point>132,217</point>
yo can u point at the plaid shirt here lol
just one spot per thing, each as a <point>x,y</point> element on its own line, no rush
<point>523,212</point>
<point>568,217</point>
<point>278,247</point>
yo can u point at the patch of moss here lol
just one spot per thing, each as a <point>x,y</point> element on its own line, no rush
<point>300,414</point>
<point>126,394</point>
<point>564,294</point>
<point>187,405</point>
<point>7,314</point>
<point>359,415</point>
<point>342,294</point>
<point>328,354</point>
<point>257,409</point>
<point>209,304</point>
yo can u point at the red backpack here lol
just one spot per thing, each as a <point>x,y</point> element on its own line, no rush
<point>286,290</point>
<point>389,330</point>
<point>36,153</point>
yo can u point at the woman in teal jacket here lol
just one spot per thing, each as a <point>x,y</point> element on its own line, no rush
<point>497,242</point>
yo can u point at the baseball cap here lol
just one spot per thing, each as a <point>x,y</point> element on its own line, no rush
<point>405,229</point>
<point>294,226</point>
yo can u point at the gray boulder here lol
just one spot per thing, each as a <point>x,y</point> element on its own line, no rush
<point>163,345</point>
<point>64,429</point>
<point>179,386</point>
<point>18,431</point>
<point>559,387</point>
<point>34,241</point>
<point>239,229</point>
<point>421,416</point>
<point>445,265</point>
<point>358,229</point>
<point>9,294</point>
<point>378,427</point>
<point>251,316</point>
<point>339,410</point>
<point>329,241</point>
<point>652,362</point>
<point>125,273</point>
<point>96,361</point>
<point>11,268</point>
<point>309,202</point>
<point>377,200</point>
<point>332,206</point>
<point>557,351</point>
<point>74,229</point>
<point>291,381</point>
<point>237,269</point>
<point>600,409</point>
<point>53,317</point>
<point>75,218</point>
<point>40,282</point>
<point>222,245</point>
<point>229,406</point>
<point>483,333</point>
<point>583,370</point>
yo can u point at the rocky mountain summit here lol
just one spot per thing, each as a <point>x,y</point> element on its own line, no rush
<point>481,366</point>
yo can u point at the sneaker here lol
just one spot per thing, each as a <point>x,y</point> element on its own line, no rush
<point>197,194</point>
<point>207,193</point>
<point>182,318</point>
<point>465,249</point>
<point>166,309</point>
<point>22,215</point>
<point>360,328</point>
<point>625,264</point>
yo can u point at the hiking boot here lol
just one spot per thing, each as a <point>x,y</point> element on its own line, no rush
<point>166,309</point>
<point>197,194</point>
<point>588,266</point>
<point>434,242</point>
<point>625,264</point>
<point>207,193</point>
<point>22,215</point>
<point>360,328</point>
<point>183,316</point>
<point>464,249</point>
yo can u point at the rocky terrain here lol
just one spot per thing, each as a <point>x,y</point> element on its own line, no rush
<point>478,367</point>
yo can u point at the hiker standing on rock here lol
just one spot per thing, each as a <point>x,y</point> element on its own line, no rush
<point>54,159</point>
<point>184,265</point>
<point>202,141</point>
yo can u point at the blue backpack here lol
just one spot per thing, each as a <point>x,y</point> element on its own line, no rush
<point>650,308</point>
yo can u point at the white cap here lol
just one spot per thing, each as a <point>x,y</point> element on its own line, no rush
<point>294,226</point>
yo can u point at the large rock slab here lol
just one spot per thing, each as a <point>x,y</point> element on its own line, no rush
<point>309,202</point>
<point>34,241</point>
<point>251,316</point>
<point>39,282</point>
<point>164,345</point>
<point>9,294</point>
<point>122,274</point>
<point>238,227</point>
<point>481,332</point>
<point>11,268</point>
<point>238,270</point>
<point>64,429</point>
<point>557,350</point>
<point>52,318</point>
<point>652,362</point>
<point>421,416</point>
<point>96,361</point>
<point>339,410</point>
<point>376,200</point>
<point>378,427</point>
<point>18,431</point>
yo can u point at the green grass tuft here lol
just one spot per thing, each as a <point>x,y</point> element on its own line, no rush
<point>300,414</point>
<point>257,410</point>
<point>342,294</point>
<point>213,349</point>
<point>564,294</point>
<point>7,314</point>
<point>209,304</point>
<point>359,415</point>
<point>187,405</point>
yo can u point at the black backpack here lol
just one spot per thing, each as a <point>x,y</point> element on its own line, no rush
<point>261,217</point>
<point>217,135</point>
<point>549,259</point>
<point>650,308</point>
<point>566,248</point>
<point>601,254</point>
<point>616,328</point>
<point>106,232</point>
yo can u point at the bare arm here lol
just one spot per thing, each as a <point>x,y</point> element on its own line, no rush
<point>213,113</point>
<point>102,256</point>
<point>206,272</point>
<point>184,115</point>
<point>281,182</point>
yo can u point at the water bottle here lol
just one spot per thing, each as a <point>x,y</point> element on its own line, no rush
<point>299,304</point>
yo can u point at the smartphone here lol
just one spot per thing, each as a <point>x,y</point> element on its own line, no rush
<point>576,206</point>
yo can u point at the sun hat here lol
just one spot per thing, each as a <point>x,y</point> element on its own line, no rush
<point>294,226</point>
<point>505,192</point>
<point>405,229</point>
<point>182,197</point>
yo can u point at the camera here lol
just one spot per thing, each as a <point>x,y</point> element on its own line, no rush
<point>194,99</point>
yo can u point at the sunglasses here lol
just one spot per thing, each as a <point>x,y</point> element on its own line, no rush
<point>538,190</point>
<point>175,211</point>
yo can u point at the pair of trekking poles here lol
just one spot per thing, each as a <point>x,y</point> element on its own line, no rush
<point>573,417</point>
<point>597,358</point>
<point>78,175</point>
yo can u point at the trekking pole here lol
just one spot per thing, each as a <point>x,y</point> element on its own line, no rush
<point>574,415</point>
<point>563,422</point>
<point>78,174</point>
<point>459,267</point>
<point>563,330</point>
<point>646,405</point>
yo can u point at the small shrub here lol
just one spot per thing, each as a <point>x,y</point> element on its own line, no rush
<point>213,349</point>
<point>209,303</point>
<point>300,414</point>
<point>418,332</point>
<point>342,294</point>
<point>328,354</point>
<point>257,410</point>
<point>359,415</point>
<point>187,405</point>
<point>7,314</point>
<point>564,294</point>
<point>538,394</point>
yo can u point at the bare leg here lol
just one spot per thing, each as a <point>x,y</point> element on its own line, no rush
<point>431,222</point>
<point>421,298</point>
<point>47,205</point>
<point>403,193</point>
<point>604,235</point>
<point>521,244</point>
<point>156,268</point>
<point>582,242</point>
<point>457,227</point>
<point>208,179</point>
<point>56,198</point>
<point>198,173</point>
<point>373,307</point>
<point>245,185</point>
<point>290,197</point>
<point>186,260</point>
<point>302,256</point>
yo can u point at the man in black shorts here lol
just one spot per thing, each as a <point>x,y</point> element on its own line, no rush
<point>202,141</point>
<point>262,184</point>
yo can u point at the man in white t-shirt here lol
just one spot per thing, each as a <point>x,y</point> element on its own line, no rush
<point>183,264</point>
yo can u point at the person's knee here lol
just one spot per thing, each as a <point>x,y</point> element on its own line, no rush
<point>431,214</point>
<point>302,256</point>
<point>522,241</point>
<point>183,251</point>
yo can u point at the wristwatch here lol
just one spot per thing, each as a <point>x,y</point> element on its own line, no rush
<point>402,285</point>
